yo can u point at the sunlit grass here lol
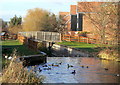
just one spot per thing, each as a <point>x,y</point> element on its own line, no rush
<point>82,46</point>
<point>9,45</point>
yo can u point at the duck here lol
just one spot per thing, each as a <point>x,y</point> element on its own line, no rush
<point>117,75</point>
<point>52,64</point>
<point>69,65</point>
<point>82,66</point>
<point>106,69</point>
<point>86,66</point>
<point>56,65</point>
<point>73,72</point>
<point>40,70</point>
<point>47,68</point>
<point>49,64</point>
<point>60,63</point>
<point>44,66</point>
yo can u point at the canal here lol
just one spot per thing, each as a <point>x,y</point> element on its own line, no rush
<point>87,70</point>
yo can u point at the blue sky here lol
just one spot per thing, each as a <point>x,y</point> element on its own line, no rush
<point>8,8</point>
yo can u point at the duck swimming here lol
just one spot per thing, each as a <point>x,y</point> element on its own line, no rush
<point>60,63</point>
<point>74,72</point>
<point>47,68</point>
<point>106,69</point>
<point>40,70</point>
<point>82,66</point>
<point>55,65</point>
<point>44,66</point>
<point>117,75</point>
<point>69,65</point>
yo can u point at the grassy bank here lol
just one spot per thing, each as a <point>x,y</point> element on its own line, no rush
<point>82,46</point>
<point>107,52</point>
<point>13,71</point>
<point>9,45</point>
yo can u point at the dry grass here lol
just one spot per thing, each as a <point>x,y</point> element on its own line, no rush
<point>109,54</point>
<point>16,73</point>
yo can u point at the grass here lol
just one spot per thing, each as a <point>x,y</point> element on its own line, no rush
<point>9,45</point>
<point>82,46</point>
<point>13,71</point>
<point>8,48</point>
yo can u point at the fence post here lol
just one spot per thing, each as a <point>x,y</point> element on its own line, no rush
<point>87,40</point>
<point>61,36</point>
<point>69,38</point>
<point>44,35</point>
<point>78,38</point>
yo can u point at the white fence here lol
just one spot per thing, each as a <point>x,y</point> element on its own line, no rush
<point>43,36</point>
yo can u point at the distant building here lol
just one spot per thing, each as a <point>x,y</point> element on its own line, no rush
<point>77,19</point>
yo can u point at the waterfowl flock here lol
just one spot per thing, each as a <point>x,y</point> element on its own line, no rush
<point>49,67</point>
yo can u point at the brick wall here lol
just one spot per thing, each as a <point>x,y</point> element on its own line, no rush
<point>88,6</point>
<point>73,9</point>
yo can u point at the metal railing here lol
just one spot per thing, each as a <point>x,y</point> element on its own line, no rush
<point>43,36</point>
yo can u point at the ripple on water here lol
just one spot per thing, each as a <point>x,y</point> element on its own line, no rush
<point>95,72</point>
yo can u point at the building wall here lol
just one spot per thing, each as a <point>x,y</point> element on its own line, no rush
<point>73,9</point>
<point>87,8</point>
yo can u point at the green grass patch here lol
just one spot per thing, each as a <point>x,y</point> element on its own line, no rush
<point>8,48</point>
<point>10,45</point>
<point>82,46</point>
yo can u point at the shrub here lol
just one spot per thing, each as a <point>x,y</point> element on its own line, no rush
<point>109,54</point>
<point>16,73</point>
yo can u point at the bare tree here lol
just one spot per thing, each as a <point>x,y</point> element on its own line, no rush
<point>104,18</point>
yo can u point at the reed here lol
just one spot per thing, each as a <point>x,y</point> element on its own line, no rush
<point>16,73</point>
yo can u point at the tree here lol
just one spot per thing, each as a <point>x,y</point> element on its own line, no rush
<point>61,24</point>
<point>104,19</point>
<point>15,21</point>
<point>39,20</point>
<point>106,25</point>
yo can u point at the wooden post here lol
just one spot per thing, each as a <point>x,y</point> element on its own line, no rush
<point>61,36</point>
<point>87,40</point>
<point>78,38</point>
<point>69,38</point>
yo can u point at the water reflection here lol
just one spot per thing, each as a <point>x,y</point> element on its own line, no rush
<point>87,70</point>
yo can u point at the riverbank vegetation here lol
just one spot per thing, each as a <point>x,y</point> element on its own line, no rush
<point>9,45</point>
<point>106,25</point>
<point>108,52</point>
<point>16,73</point>
<point>13,70</point>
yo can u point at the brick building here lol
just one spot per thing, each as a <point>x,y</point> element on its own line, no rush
<point>77,19</point>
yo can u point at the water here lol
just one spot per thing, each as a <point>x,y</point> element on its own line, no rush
<point>95,73</point>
